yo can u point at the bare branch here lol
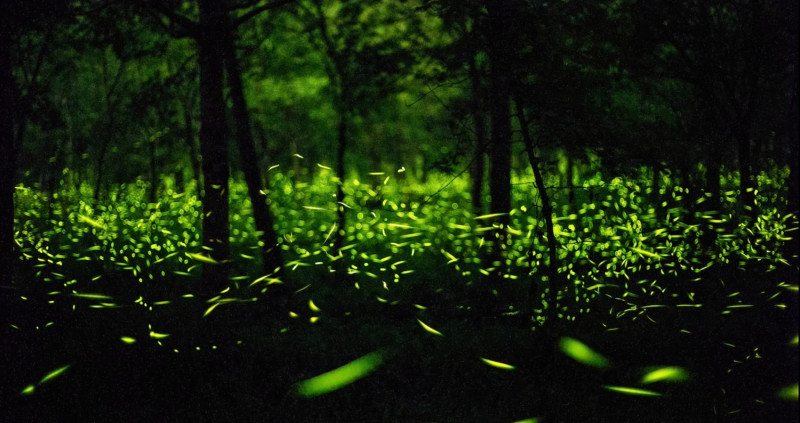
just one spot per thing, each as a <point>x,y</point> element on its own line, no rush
<point>256,11</point>
<point>187,26</point>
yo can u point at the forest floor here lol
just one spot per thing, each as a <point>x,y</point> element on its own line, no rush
<point>736,361</point>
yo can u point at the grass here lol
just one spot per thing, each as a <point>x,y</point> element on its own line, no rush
<point>105,297</point>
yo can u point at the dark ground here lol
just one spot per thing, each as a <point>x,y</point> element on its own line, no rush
<point>737,363</point>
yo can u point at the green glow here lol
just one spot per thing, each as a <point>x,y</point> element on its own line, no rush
<point>54,374</point>
<point>339,377</point>
<point>428,328</point>
<point>497,364</point>
<point>632,391</point>
<point>581,353</point>
<point>789,393</point>
<point>665,374</point>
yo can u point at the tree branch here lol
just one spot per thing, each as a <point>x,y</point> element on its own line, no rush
<point>256,11</point>
<point>188,27</point>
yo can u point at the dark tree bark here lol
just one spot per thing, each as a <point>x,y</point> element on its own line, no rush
<point>500,41</point>
<point>478,162</point>
<point>341,148</point>
<point>189,138</point>
<point>110,87</point>
<point>265,226</point>
<point>746,195</point>
<point>214,28</point>
<point>8,154</point>
<point>547,214</point>
<point>152,193</point>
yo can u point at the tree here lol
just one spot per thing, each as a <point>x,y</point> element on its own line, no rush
<point>270,251</point>
<point>731,54</point>
<point>213,29</point>
<point>365,48</point>
<point>213,34</point>
<point>8,150</point>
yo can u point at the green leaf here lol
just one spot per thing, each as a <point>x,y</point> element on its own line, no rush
<point>665,374</point>
<point>340,377</point>
<point>497,364</point>
<point>632,391</point>
<point>581,353</point>
<point>54,374</point>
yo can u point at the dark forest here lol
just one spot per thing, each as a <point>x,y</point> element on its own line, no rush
<point>399,210</point>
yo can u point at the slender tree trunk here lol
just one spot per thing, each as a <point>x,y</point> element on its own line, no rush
<point>568,175</point>
<point>500,80</point>
<point>746,195</point>
<point>500,40</point>
<point>101,158</point>
<point>190,142</point>
<point>478,163</point>
<point>265,226</point>
<point>547,214</point>
<point>213,144</point>
<point>713,175</point>
<point>8,156</point>
<point>153,192</point>
<point>341,216</point>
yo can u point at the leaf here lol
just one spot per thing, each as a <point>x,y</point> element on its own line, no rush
<point>428,328</point>
<point>665,374</point>
<point>340,377</point>
<point>581,353</point>
<point>497,364</point>
<point>54,374</point>
<point>632,391</point>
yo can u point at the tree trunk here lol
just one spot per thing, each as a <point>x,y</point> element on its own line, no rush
<point>213,145</point>
<point>190,142</point>
<point>153,191</point>
<point>713,175</point>
<point>8,156</point>
<point>270,252</point>
<point>547,214</point>
<point>500,40</point>
<point>500,80</point>
<point>341,217</point>
<point>746,195</point>
<point>478,161</point>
